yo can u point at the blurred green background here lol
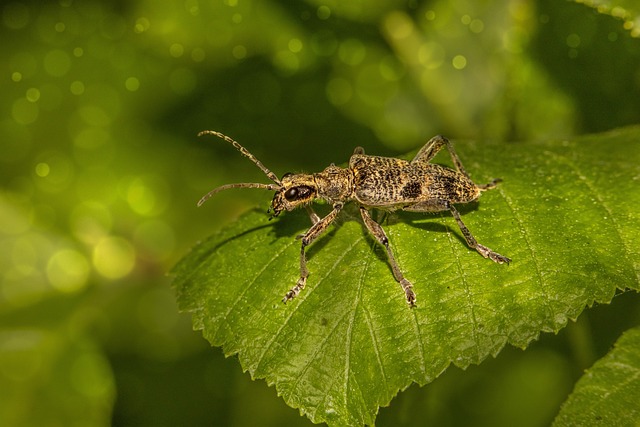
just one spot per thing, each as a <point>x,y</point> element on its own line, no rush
<point>101,169</point>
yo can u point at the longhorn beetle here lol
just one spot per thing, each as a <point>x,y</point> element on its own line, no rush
<point>372,182</point>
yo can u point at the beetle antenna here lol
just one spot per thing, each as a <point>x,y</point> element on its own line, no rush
<point>207,196</point>
<point>272,176</point>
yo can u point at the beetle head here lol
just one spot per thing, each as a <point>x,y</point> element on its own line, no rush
<point>295,190</point>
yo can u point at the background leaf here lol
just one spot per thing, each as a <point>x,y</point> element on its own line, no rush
<point>627,10</point>
<point>48,378</point>
<point>565,213</point>
<point>609,392</point>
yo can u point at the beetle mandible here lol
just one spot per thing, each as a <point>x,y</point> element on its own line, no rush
<point>372,182</point>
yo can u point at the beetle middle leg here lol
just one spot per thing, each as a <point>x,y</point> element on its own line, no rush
<point>432,147</point>
<point>307,238</point>
<point>376,230</point>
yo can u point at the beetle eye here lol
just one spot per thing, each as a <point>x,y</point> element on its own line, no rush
<point>291,194</point>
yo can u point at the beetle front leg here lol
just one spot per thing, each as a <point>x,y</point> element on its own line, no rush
<point>307,238</point>
<point>313,216</point>
<point>376,230</point>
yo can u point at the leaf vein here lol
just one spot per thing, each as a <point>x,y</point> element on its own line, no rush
<point>309,291</point>
<point>610,214</point>
<point>376,347</point>
<point>532,251</point>
<point>467,293</point>
<point>251,284</point>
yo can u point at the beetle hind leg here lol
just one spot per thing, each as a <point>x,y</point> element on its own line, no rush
<point>473,243</point>
<point>490,185</point>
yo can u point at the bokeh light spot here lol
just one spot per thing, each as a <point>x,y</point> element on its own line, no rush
<point>372,88</point>
<point>42,169</point>
<point>198,55</point>
<point>176,50</point>
<point>147,195</point>
<point>431,55</point>
<point>20,359</point>
<point>94,115</point>
<point>399,25</point>
<point>239,52</point>
<point>511,41</point>
<point>90,222</point>
<point>77,87</point>
<point>286,60</point>
<point>105,100</point>
<point>573,40</point>
<point>142,24</point>
<point>459,62</point>
<point>24,63</point>
<point>352,51</point>
<point>15,16</point>
<point>16,76</point>
<point>90,375</point>
<point>24,112</point>
<point>91,137</point>
<point>114,257</point>
<point>60,27</point>
<point>323,12</point>
<point>324,43</point>
<point>391,69</point>
<point>68,271</point>
<point>59,172</point>
<point>12,221</point>
<point>141,198</point>
<point>156,238</point>
<point>192,7</point>
<point>57,63</point>
<point>33,94</point>
<point>295,45</point>
<point>132,84</point>
<point>78,52</point>
<point>476,26</point>
<point>24,254</point>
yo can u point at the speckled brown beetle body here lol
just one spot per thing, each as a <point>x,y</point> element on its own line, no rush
<point>373,182</point>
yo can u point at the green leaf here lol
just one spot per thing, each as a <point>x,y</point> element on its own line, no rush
<point>627,10</point>
<point>566,214</point>
<point>609,392</point>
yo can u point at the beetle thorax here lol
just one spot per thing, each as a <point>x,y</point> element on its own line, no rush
<point>335,184</point>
